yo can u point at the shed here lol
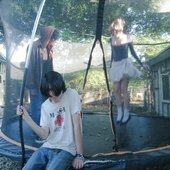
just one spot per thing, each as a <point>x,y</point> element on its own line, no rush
<point>160,70</point>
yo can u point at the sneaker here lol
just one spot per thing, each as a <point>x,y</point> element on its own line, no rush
<point>39,140</point>
<point>126,117</point>
<point>119,115</point>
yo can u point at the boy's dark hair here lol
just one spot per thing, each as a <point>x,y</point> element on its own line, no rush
<point>52,81</point>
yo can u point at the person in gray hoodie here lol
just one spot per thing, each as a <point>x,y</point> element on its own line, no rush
<point>41,61</point>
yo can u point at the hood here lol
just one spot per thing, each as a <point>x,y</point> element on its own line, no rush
<point>45,35</point>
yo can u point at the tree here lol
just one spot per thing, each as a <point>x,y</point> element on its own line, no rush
<point>76,19</point>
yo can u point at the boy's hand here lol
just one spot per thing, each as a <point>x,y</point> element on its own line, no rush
<point>22,111</point>
<point>78,162</point>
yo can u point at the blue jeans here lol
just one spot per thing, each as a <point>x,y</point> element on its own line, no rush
<point>49,159</point>
<point>35,107</point>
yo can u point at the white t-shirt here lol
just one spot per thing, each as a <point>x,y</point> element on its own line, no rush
<point>58,117</point>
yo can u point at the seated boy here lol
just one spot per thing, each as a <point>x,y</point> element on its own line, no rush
<point>60,126</point>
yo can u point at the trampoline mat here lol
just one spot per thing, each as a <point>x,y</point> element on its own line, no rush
<point>142,142</point>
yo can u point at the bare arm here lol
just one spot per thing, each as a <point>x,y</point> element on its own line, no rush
<point>78,132</point>
<point>78,162</point>
<point>42,132</point>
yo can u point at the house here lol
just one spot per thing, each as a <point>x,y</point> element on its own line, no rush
<point>2,78</point>
<point>160,71</point>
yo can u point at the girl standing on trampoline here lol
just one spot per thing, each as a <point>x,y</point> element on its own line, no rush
<point>122,68</point>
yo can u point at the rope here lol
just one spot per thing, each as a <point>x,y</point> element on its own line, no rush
<point>99,27</point>
<point>104,164</point>
<point>15,142</point>
<point>100,161</point>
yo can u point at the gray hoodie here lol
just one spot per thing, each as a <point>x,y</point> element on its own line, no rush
<point>41,60</point>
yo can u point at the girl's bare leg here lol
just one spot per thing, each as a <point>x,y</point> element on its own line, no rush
<point>124,90</point>
<point>118,97</point>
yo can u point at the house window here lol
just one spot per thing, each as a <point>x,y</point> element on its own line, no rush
<point>166,87</point>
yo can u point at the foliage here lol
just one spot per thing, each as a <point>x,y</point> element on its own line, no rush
<point>151,45</point>
<point>95,80</point>
<point>96,85</point>
<point>79,16</point>
<point>76,19</point>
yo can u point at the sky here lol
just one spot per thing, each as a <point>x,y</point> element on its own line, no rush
<point>165,6</point>
<point>2,49</point>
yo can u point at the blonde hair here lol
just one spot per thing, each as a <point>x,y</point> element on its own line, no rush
<point>118,23</point>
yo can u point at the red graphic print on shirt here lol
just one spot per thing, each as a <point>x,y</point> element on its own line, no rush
<point>59,120</point>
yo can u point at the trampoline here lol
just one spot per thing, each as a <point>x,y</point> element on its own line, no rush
<point>144,142</point>
<point>141,142</point>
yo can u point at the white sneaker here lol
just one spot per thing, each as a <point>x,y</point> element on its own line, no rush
<point>119,115</point>
<point>126,117</point>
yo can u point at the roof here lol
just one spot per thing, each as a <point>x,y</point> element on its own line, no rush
<point>165,54</point>
<point>2,58</point>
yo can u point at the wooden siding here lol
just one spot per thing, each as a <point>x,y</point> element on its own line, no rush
<point>160,67</point>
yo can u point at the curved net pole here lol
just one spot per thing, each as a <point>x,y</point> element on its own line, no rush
<point>99,27</point>
<point>25,76</point>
